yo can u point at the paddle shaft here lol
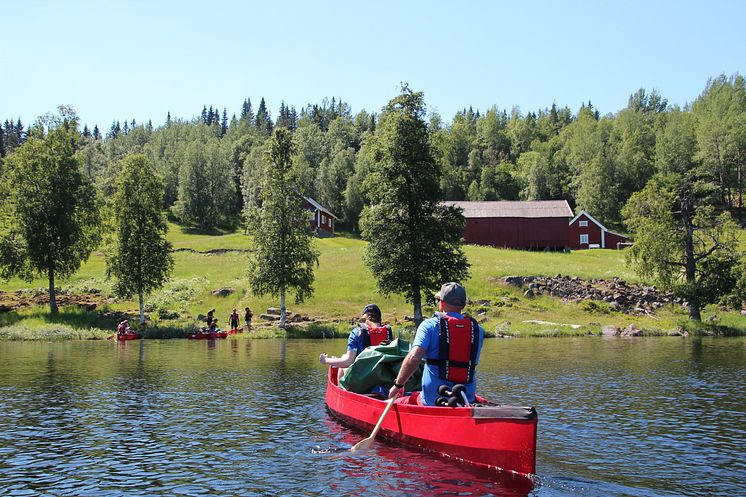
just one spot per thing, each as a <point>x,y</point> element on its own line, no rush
<point>365,443</point>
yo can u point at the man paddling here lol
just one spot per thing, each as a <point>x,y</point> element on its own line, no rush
<point>451,344</point>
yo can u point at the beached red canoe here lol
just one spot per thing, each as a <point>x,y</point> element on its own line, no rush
<point>206,335</point>
<point>128,336</point>
<point>501,437</point>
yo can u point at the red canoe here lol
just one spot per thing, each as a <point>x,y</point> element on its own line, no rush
<point>235,331</point>
<point>206,335</point>
<point>128,336</point>
<point>500,437</point>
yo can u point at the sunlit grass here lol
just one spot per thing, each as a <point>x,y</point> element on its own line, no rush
<point>344,285</point>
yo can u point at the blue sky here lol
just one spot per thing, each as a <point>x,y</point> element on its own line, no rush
<point>117,60</point>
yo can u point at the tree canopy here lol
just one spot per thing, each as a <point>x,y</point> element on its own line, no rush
<point>140,256</point>
<point>49,213</point>
<point>282,257</point>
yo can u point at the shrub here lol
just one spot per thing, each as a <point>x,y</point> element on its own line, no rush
<point>597,307</point>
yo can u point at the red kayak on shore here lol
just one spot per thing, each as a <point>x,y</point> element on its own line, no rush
<point>206,335</point>
<point>492,436</point>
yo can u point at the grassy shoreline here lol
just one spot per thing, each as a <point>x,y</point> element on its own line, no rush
<point>343,286</point>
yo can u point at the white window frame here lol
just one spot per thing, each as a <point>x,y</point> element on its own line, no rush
<point>323,219</point>
<point>583,224</point>
<point>584,239</point>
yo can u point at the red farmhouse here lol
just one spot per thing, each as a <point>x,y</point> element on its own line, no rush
<point>536,224</point>
<point>323,220</point>
<point>586,232</point>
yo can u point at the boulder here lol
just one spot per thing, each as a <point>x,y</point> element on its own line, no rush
<point>514,280</point>
<point>609,331</point>
<point>632,331</point>
<point>223,292</point>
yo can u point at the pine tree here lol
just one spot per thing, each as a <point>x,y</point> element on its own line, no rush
<point>263,120</point>
<point>415,240</point>
<point>247,113</point>
<point>224,123</point>
<point>86,133</point>
<point>96,132</point>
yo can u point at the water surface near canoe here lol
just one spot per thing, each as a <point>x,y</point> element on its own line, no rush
<point>660,416</point>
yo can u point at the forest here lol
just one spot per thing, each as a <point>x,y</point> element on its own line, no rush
<point>210,163</point>
<point>670,176</point>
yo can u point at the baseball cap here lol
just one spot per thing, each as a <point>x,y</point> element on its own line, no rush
<point>453,294</point>
<point>373,310</point>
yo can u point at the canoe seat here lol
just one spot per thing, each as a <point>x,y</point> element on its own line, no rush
<point>505,412</point>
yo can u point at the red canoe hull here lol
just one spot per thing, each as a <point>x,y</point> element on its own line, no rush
<point>502,437</point>
<point>198,335</point>
<point>128,336</point>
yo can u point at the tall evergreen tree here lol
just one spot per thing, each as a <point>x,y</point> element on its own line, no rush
<point>415,241</point>
<point>49,219</point>
<point>263,119</point>
<point>283,256</point>
<point>140,257</point>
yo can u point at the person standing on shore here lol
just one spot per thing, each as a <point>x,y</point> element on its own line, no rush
<point>247,319</point>
<point>451,344</point>
<point>233,319</point>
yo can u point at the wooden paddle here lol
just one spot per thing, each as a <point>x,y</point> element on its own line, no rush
<point>367,442</point>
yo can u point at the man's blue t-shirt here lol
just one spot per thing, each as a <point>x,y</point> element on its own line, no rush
<point>428,338</point>
<point>356,341</point>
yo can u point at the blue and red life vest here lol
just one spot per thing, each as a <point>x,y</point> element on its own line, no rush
<point>375,335</point>
<point>459,346</point>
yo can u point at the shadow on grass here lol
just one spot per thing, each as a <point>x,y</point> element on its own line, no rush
<point>72,316</point>
<point>195,230</point>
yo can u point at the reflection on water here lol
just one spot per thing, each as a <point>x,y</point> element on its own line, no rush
<point>243,417</point>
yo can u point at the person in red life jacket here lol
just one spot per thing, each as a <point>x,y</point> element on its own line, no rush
<point>233,319</point>
<point>451,344</point>
<point>369,332</point>
<point>123,328</point>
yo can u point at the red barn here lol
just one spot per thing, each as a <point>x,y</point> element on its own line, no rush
<point>586,232</point>
<point>322,220</point>
<point>535,224</point>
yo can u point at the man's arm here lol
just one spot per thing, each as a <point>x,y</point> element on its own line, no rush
<point>408,367</point>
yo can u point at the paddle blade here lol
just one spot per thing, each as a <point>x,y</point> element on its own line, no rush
<point>364,444</point>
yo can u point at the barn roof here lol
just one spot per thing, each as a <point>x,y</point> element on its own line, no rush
<point>515,208</point>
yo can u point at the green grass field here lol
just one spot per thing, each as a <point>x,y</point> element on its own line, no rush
<point>343,286</point>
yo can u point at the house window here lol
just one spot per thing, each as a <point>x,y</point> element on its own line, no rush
<point>583,224</point>
<point>323,219</point>
<point>584,239</point>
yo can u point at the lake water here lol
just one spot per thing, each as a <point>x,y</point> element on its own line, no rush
<point>637,417</point>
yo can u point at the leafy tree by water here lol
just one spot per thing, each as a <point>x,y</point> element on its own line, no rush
<point>283,257</point>
<point>682,240</point>
<point>140,257</point>
<point>49,217</point>
<point>415,240</point>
